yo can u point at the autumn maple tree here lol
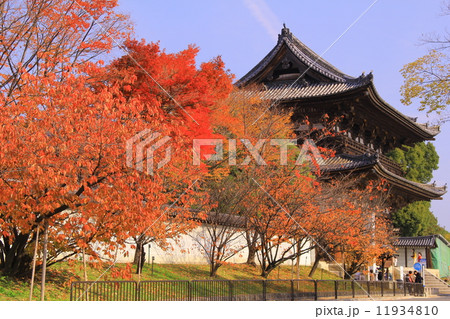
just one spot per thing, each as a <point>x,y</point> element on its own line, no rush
<point>174,98</point>
<point>49,48</point>
<point>359,228</point>
<point>230,181</point>
<point>289,206</point>
<point>66,119</point>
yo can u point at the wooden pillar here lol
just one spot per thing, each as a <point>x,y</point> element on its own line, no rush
<point>406,256</point>
<point>428,257</point>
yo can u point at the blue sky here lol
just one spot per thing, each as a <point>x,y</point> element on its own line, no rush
<point>384,38</point>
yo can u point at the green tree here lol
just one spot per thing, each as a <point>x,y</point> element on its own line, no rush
<point>419,162</point>
<point>416,219</point>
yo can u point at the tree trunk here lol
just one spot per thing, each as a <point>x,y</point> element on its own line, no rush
<point>137,253</point>
<point>213,269</point>
<point>34,263</point>
<point>16,261</point>
<point>251,256</point>
<point>84,266</point>
<point>264,273</point>
<point>298,260</point>
<point>139,257</point>
<point>251,246</point>
<point>44,261</point>
<point>266,270</point>
<point>315,265</point>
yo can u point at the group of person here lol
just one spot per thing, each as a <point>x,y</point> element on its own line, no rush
<point>412,278</point>
<point>379,276</point>
<point>415,277</point>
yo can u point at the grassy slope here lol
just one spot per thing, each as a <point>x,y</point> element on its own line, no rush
<point>59,277</point>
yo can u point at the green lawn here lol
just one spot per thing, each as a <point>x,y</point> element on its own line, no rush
<point>60,276</point>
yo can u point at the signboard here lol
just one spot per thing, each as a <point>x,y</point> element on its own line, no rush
<point>417,266</point>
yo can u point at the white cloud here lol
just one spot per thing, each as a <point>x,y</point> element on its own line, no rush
<point>262,12</point>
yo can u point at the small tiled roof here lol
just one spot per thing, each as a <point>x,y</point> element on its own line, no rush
<point>225,220</point>
<point>230,220</point>
<point>422,241</point>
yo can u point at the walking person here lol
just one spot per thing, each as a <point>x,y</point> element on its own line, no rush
<point>371,275</point>
<point>409,280</point>
<point>418,280</point>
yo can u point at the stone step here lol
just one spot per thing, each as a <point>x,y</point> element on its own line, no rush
<point>446,293</point>
<point>434,284</point>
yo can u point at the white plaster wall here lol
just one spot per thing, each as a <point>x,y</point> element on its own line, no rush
<point>185,250</point>
<point>409,253</point>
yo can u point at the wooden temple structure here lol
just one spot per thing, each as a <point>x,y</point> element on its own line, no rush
<point>294,76</point>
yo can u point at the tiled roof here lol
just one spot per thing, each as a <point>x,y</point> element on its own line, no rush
<point>337,82</point>
<point>437,191</point>
<point>347,163</point>
<point>214,218</point>
<point>423,241</point>
<point>225,220</point>
<point>303,53</point>
<point>286,91</point>
<point>310,58</point>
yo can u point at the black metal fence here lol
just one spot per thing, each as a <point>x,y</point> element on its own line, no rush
<point>235,290</point>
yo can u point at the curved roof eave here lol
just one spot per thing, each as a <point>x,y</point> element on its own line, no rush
<point>426,190</point>
<point>368,162</point>
<point>423,130</point>
<point>338,89</point>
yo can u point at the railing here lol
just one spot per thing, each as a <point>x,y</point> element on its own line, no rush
<point>361,149</point>
<point>237,290</point>
<point>437,278</point>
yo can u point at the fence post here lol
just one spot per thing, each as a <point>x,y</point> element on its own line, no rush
<point>230,286</point>
<point>335,289</point>
<point>368,289</point>
<point>292,290</point>
<point>189,290</point>
<point>136,290</point>
<point>353,288</point>
<point>264,290</point>
<point>315,290</point>
<point>393,287</point>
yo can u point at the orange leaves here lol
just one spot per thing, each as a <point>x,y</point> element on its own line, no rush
<point>65,126</point>
<point>124,274</point>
